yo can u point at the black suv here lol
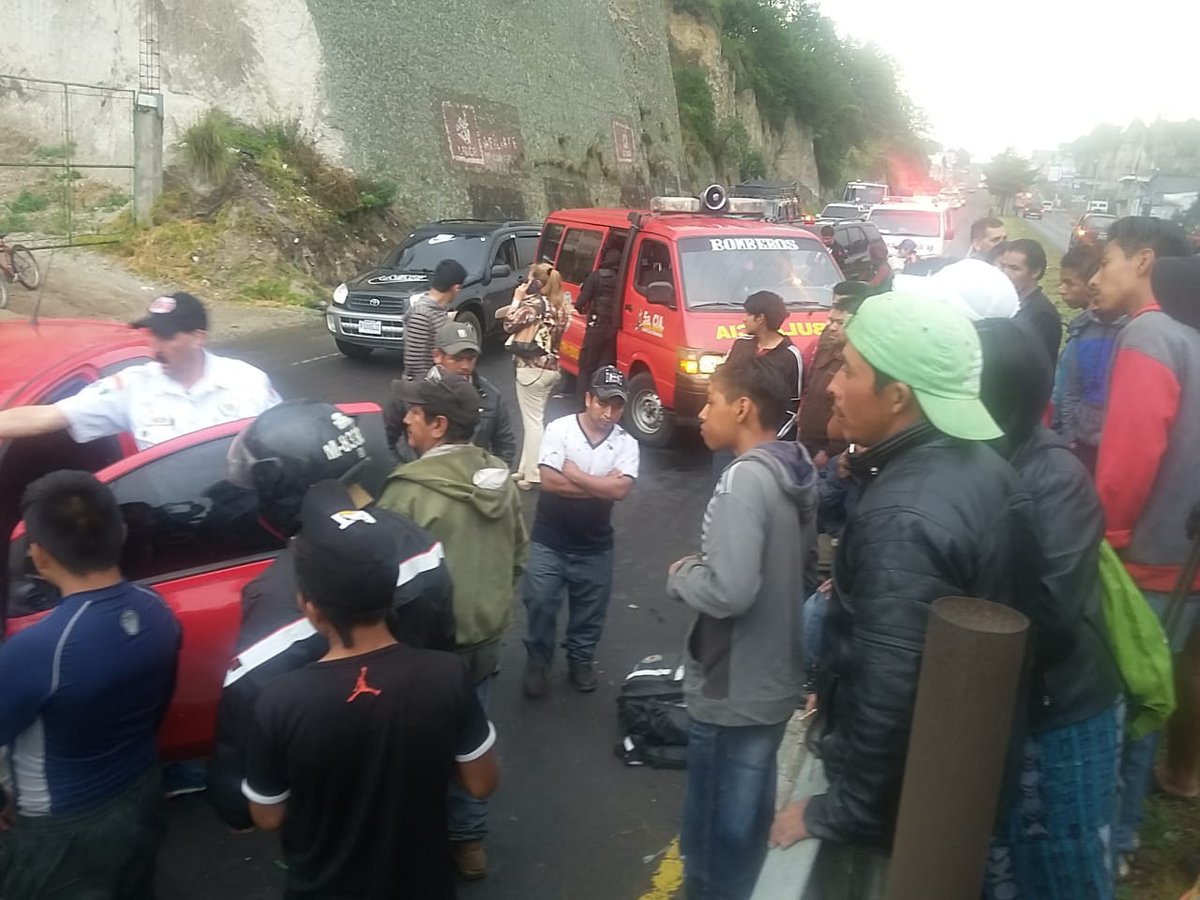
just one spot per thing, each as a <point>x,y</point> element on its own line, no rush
<point>852,243</point>
<point>368,311</point>
<point>1092,229</point>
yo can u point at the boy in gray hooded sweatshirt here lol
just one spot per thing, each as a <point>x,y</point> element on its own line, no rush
<point>744,666</point>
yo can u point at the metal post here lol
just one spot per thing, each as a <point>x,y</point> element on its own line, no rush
<point>961,732</point>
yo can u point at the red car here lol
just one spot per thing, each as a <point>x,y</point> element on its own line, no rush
<point>192,536</point>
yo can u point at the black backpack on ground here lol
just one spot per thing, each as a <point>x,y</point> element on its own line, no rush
<point>653,716</point>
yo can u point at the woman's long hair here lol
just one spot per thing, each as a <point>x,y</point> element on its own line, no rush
<point>552,288</point>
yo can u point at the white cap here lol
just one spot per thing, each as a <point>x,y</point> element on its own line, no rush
<point>978,290</point>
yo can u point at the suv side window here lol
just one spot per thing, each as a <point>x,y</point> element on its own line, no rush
<point>551,238</point>
<point>526,250</point>
<point>181,513</point>
<point>653,265</point>
<point>507,254</point>
<point>858,240</point>
<point>578,257</point>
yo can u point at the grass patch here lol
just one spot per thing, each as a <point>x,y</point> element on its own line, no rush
<point>1167,864</point>
<point>278,290</point>
<point>207,147</point>
<point>28,202</point>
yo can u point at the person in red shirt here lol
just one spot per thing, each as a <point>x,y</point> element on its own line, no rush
<point>1146,468</point>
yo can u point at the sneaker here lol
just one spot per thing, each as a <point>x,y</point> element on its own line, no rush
<point>534,683</point>
<point>470,859</point>
<point>582,676</point>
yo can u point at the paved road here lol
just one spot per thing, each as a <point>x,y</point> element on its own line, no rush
<point>569,820</point>
<point>1054,229</point>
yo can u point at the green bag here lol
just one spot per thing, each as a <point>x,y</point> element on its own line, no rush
<point>1140,647</point>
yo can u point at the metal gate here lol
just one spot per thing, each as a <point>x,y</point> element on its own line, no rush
<point>66,162</point>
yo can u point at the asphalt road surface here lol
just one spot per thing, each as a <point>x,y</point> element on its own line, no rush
<point>1054,229</point>
<point>569,820</point>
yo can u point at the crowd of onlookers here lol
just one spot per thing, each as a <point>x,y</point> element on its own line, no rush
<point>946,443</point>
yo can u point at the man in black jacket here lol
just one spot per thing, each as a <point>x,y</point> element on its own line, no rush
<point>456,350</point>
<point>1060,844</point>
<point>1024,262</point>
<point>598,302</point>
<point>281,455</point>
<point>940,515</point>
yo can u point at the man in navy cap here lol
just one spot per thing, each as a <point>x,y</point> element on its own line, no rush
<point>184,389</point>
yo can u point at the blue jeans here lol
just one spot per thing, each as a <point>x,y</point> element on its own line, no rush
<point>466,817</point>
<point>728,806</point>
<point>815,609</point>
<point>586,578</point>
<point>1137,757</point>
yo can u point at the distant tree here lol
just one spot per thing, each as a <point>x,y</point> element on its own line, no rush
<point>1008,175</point>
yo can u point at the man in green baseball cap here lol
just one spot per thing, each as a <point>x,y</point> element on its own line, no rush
<point>926,358</point>
<point>940,515</point>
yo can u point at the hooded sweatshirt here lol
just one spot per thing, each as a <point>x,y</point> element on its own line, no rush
<point>1081,384</point>
<point>744,663</point>
<point>1146,472</point>
<point>465,498</point>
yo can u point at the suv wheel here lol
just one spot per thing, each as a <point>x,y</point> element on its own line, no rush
<point>645,417</point>
<point>353,351</point>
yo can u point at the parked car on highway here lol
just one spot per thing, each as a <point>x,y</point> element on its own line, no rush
<point>367,312</point>
<point>928,227</point>
<point>685,272</point>
<point>1032,211</point>
<point>836,212</point>
<point>193,537</point>
<point>1100,206</point>
<point>1047,205</point>
<point>852,243</point>
<point>1091,229</point>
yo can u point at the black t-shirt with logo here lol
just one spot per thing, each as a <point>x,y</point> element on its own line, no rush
<point>362,749</point>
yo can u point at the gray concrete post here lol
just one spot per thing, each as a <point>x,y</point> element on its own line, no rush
<point>147,154</point>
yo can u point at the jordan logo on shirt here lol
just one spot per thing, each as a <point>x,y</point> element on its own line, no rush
<point>361,687</point>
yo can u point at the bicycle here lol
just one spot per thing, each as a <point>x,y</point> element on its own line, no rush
<point>16,264</point>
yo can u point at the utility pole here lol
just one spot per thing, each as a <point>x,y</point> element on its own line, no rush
<point>147,118</point>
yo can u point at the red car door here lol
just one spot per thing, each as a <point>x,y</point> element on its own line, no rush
<point>196,539</point>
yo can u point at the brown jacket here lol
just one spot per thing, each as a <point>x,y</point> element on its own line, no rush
<point>816,411</point>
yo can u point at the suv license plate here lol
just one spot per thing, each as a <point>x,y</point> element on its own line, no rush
<point>370,326</point>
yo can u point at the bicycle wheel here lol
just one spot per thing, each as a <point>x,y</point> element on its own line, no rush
<point>25,267</point>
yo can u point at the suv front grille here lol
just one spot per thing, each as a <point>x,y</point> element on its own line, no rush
<point>390,305</point>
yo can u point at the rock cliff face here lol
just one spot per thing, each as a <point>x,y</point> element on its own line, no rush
<point>787,151</point>
<point>473,107</point>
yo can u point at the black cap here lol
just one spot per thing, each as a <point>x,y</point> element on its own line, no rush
<point>346,558</point>
<point>608,382</point>
<point>174,313</point>
<point>443,394</point>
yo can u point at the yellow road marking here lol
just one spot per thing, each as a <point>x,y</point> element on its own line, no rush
<point>669,878</point>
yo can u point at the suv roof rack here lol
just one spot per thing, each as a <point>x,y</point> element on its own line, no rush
<point>499,223</point>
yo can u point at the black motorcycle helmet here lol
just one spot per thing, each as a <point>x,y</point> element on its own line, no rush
<point>287,450</point>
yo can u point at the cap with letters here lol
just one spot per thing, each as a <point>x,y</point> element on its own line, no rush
<point>608,383</point>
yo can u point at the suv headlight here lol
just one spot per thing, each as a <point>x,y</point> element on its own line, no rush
<point>340,293</point>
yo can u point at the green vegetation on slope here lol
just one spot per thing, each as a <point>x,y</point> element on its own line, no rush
<point>257,213</point>
<point>792,58</point>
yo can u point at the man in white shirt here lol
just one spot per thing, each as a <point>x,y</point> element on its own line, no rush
<point>185,389</point>
<point>587,463</point>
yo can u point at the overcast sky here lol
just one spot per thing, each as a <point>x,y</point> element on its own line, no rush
<point>1032,73</point>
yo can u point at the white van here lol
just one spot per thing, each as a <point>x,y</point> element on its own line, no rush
<point>926,226</point>
<point>1100,206</point>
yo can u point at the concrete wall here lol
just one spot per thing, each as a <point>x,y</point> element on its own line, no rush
<point>474,107</point>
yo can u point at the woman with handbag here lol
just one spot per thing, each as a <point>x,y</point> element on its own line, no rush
<point>535,322</point>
